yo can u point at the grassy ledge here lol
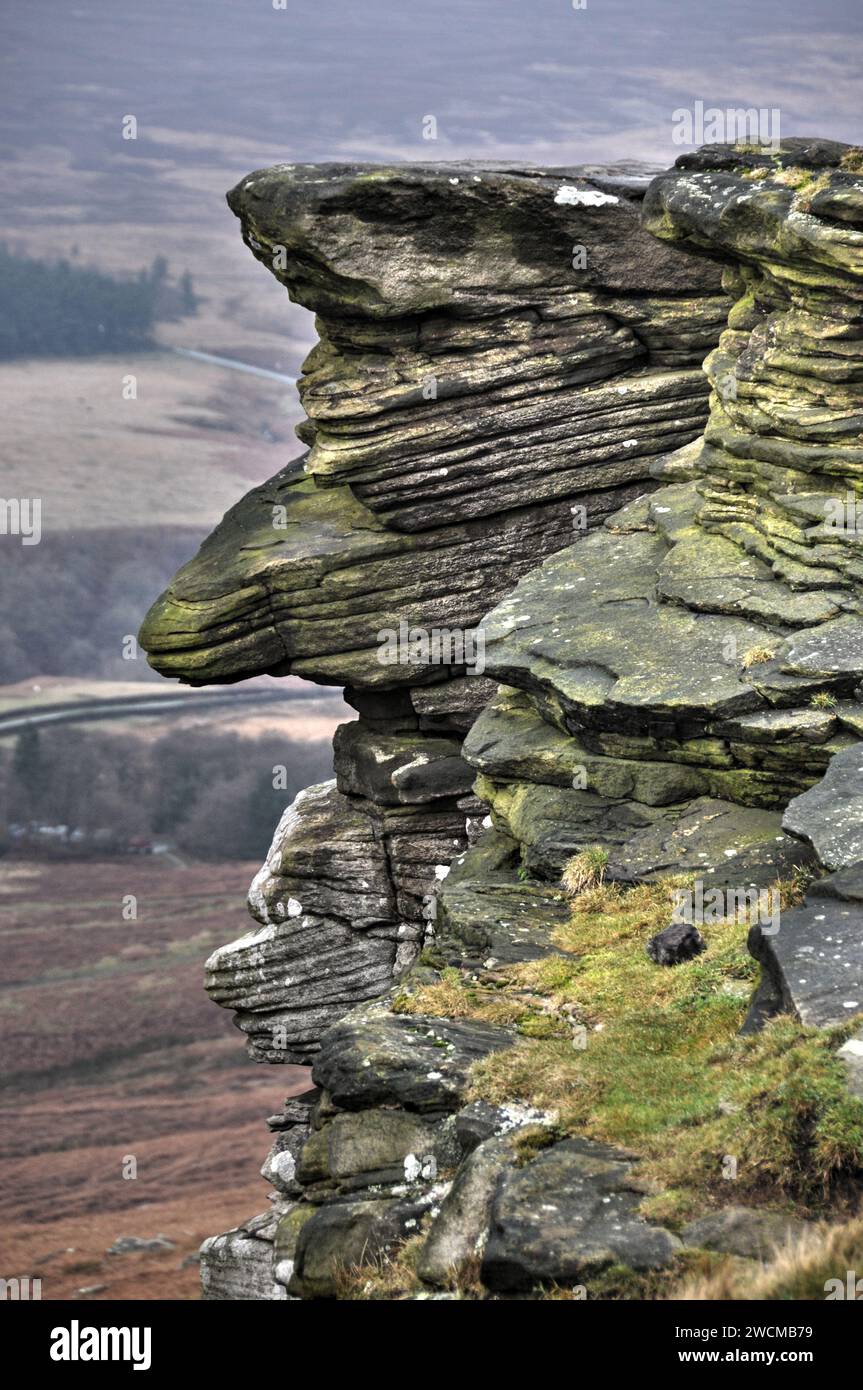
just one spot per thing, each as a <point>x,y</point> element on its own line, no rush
<point>628,1052</point>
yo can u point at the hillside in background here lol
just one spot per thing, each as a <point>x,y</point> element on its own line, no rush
<point>136,1062</point>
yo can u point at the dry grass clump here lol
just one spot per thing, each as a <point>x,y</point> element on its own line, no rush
<point>852,160</point>
<point>801,1270</point>
<point>585,870</point>
<point>756,655</point>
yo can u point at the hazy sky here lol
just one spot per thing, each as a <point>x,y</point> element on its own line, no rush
<point>520,79</point>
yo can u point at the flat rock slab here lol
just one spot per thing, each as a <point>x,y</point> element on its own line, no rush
<point>588,627</point>
<point>320,898</point>
<point>832,649</point>
<point>569,1213</point>
<point>511,742</point>
<point>460,1228</point>
<point>366,1148</point>
<point>830,815</point>
<point>398,768</point>
<point>238,1267</point>
<point>815,959</point>
<point>737,846</point>
<point>373,1057</point>
<point>554,823</point>
<point>501,918</point>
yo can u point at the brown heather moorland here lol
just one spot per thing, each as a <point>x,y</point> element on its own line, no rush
<point>111,1048</point>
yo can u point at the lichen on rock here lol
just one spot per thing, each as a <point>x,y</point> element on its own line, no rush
<point>650,604</point>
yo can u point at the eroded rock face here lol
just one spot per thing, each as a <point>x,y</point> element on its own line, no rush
<point>502,353</point>
<point>702,652</point>
<point>565,1216</point>
<point>814,961</point>
<point>670,682</point>
<point>495,345</point>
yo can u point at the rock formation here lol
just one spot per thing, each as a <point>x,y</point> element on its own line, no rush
<point>508,360</point>
<point>502,353</point>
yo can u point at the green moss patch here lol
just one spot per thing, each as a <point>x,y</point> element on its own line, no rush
<point>649,1057</point>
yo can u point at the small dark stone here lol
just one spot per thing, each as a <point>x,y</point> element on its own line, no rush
<point>677,943</point>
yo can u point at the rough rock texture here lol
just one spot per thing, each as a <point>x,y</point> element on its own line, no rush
<point>470,384</point>
<point>830,815</point>
<point>567,1214</point>
<point>481,392</point>
<point>500,425</point>
<point>815,959</point>
<point>700,653</point>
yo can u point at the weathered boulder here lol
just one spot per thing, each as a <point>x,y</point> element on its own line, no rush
<point>713,626</point>
<point>815,958</point>
<point>373,1057</point>
<point>458,1236</point>
<point>734,845</point>
<point>472,381</point>
<point>745,1231</point>
<point>336,1239</point>
<point>238,1266</point>
<point>485,911</point>
<point>567,1214</point>
<point>830,815</point>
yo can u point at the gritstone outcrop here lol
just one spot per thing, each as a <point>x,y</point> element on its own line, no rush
<point>507,417</point>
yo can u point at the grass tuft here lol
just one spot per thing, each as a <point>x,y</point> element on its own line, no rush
<point>822,699</point>
<point>801,1270</point>
<point>756,655</point>
<point>584,871</point>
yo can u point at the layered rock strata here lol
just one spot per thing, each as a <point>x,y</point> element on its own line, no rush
<point>702,652</point>
<point>670,683</point>
<point>502,353</point>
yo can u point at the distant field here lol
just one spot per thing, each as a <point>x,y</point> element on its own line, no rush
<point>111,1048</point>
<point>195,439</point>
<point>110,1045</point>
